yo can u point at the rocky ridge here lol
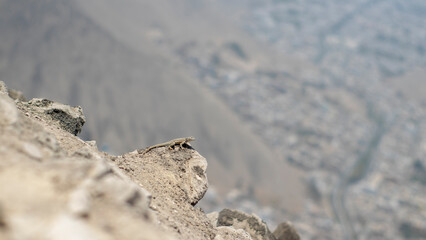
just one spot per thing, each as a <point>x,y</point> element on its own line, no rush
<point>57,186</point>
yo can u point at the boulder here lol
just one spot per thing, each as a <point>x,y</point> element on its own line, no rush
<point>176,177</point>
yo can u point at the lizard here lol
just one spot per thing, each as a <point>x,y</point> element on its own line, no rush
<point>171,143</point>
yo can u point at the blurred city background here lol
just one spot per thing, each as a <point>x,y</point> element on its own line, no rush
<point>308,111</point>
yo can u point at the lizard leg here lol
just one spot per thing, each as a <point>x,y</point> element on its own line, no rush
<point>171,145</point>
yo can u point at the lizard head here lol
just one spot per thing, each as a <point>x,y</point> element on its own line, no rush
<point>190,139</point>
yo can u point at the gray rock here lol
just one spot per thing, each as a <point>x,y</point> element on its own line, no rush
<point>71,119</point>
<point>286,231</point>
<point>250,223</point>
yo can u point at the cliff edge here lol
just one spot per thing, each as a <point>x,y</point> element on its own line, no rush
<point>56,186</point>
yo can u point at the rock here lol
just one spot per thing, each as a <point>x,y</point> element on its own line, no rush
<point>226,232</point>
<point>286,231</point>
<point>250,223</point>
<point>230,233</point>
<point>32,151</point>
<point>182,168</point>
<point>177,180</point>
<point>16,95</point>
<point>48,193</point>
<point>71,119</point>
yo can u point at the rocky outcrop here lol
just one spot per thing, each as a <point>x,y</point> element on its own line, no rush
<point>177,180</point>
<point>48,193</point>
<point>71,119</point>
<point>57,186</point>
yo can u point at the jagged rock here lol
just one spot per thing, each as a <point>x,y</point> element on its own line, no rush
<point>71,119</point>
<point>250,223</point>
<point>286,231</point>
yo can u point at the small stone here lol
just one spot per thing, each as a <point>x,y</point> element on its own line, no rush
<point>252,224</point>
<point>92,143</point>
<point>32,151</point>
